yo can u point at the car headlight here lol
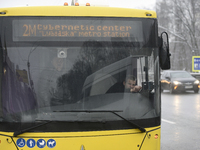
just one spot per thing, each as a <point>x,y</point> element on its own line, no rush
<point>176,82</point>
<point>196,82</point>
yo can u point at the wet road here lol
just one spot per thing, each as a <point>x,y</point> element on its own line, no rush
<point>180,128</point>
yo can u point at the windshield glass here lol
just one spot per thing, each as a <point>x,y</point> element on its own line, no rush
<point>57,80</point>
<point>180,75</point>
<point>73,78</point>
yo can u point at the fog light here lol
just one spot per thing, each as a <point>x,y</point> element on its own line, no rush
<point>175,87</point>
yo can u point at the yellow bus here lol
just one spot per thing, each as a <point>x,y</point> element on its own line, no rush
<point>80,78</point>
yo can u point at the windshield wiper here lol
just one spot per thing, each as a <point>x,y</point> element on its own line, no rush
<point>109,111</point>
<point>18,132</point>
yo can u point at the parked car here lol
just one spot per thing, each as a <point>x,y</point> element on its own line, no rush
<point>179,81</point>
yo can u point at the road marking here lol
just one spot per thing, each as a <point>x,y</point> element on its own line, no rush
<point>171,122</point>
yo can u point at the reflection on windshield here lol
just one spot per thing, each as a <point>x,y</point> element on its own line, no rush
<point>42,80</point>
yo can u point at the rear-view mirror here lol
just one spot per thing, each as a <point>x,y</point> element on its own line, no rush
<point>164,54</point>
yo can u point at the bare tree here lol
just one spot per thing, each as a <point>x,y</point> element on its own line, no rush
<point>181,19</point>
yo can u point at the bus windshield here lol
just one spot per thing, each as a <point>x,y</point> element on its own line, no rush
<point>59,68</point>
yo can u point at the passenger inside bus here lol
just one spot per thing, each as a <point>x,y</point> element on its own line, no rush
<point>127,86</point>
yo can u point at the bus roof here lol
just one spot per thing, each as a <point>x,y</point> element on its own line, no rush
<point>76,11</point>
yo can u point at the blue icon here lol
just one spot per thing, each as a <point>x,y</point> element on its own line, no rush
<point>41,143</point>
<point>51,143</point>
<point>31,143</point>
<point>196,63</point>
<point>21,142</point>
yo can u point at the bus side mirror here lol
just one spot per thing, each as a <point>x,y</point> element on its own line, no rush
<point>164,55</point>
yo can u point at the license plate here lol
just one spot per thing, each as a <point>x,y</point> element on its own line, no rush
<point>189,87</point>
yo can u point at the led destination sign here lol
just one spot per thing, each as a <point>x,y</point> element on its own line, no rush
<point>45,30</point>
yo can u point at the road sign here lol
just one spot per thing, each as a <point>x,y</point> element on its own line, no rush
<point>196,63</point>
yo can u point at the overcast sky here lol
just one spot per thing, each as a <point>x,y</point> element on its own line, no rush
<point>147,4</point>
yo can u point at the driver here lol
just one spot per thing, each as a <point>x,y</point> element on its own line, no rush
<point>127,86</point>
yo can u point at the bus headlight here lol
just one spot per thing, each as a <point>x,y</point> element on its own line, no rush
<point>196,82</point>
<point>176,82</point>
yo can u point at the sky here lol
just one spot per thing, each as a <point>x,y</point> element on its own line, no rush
<point>140,4</point>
